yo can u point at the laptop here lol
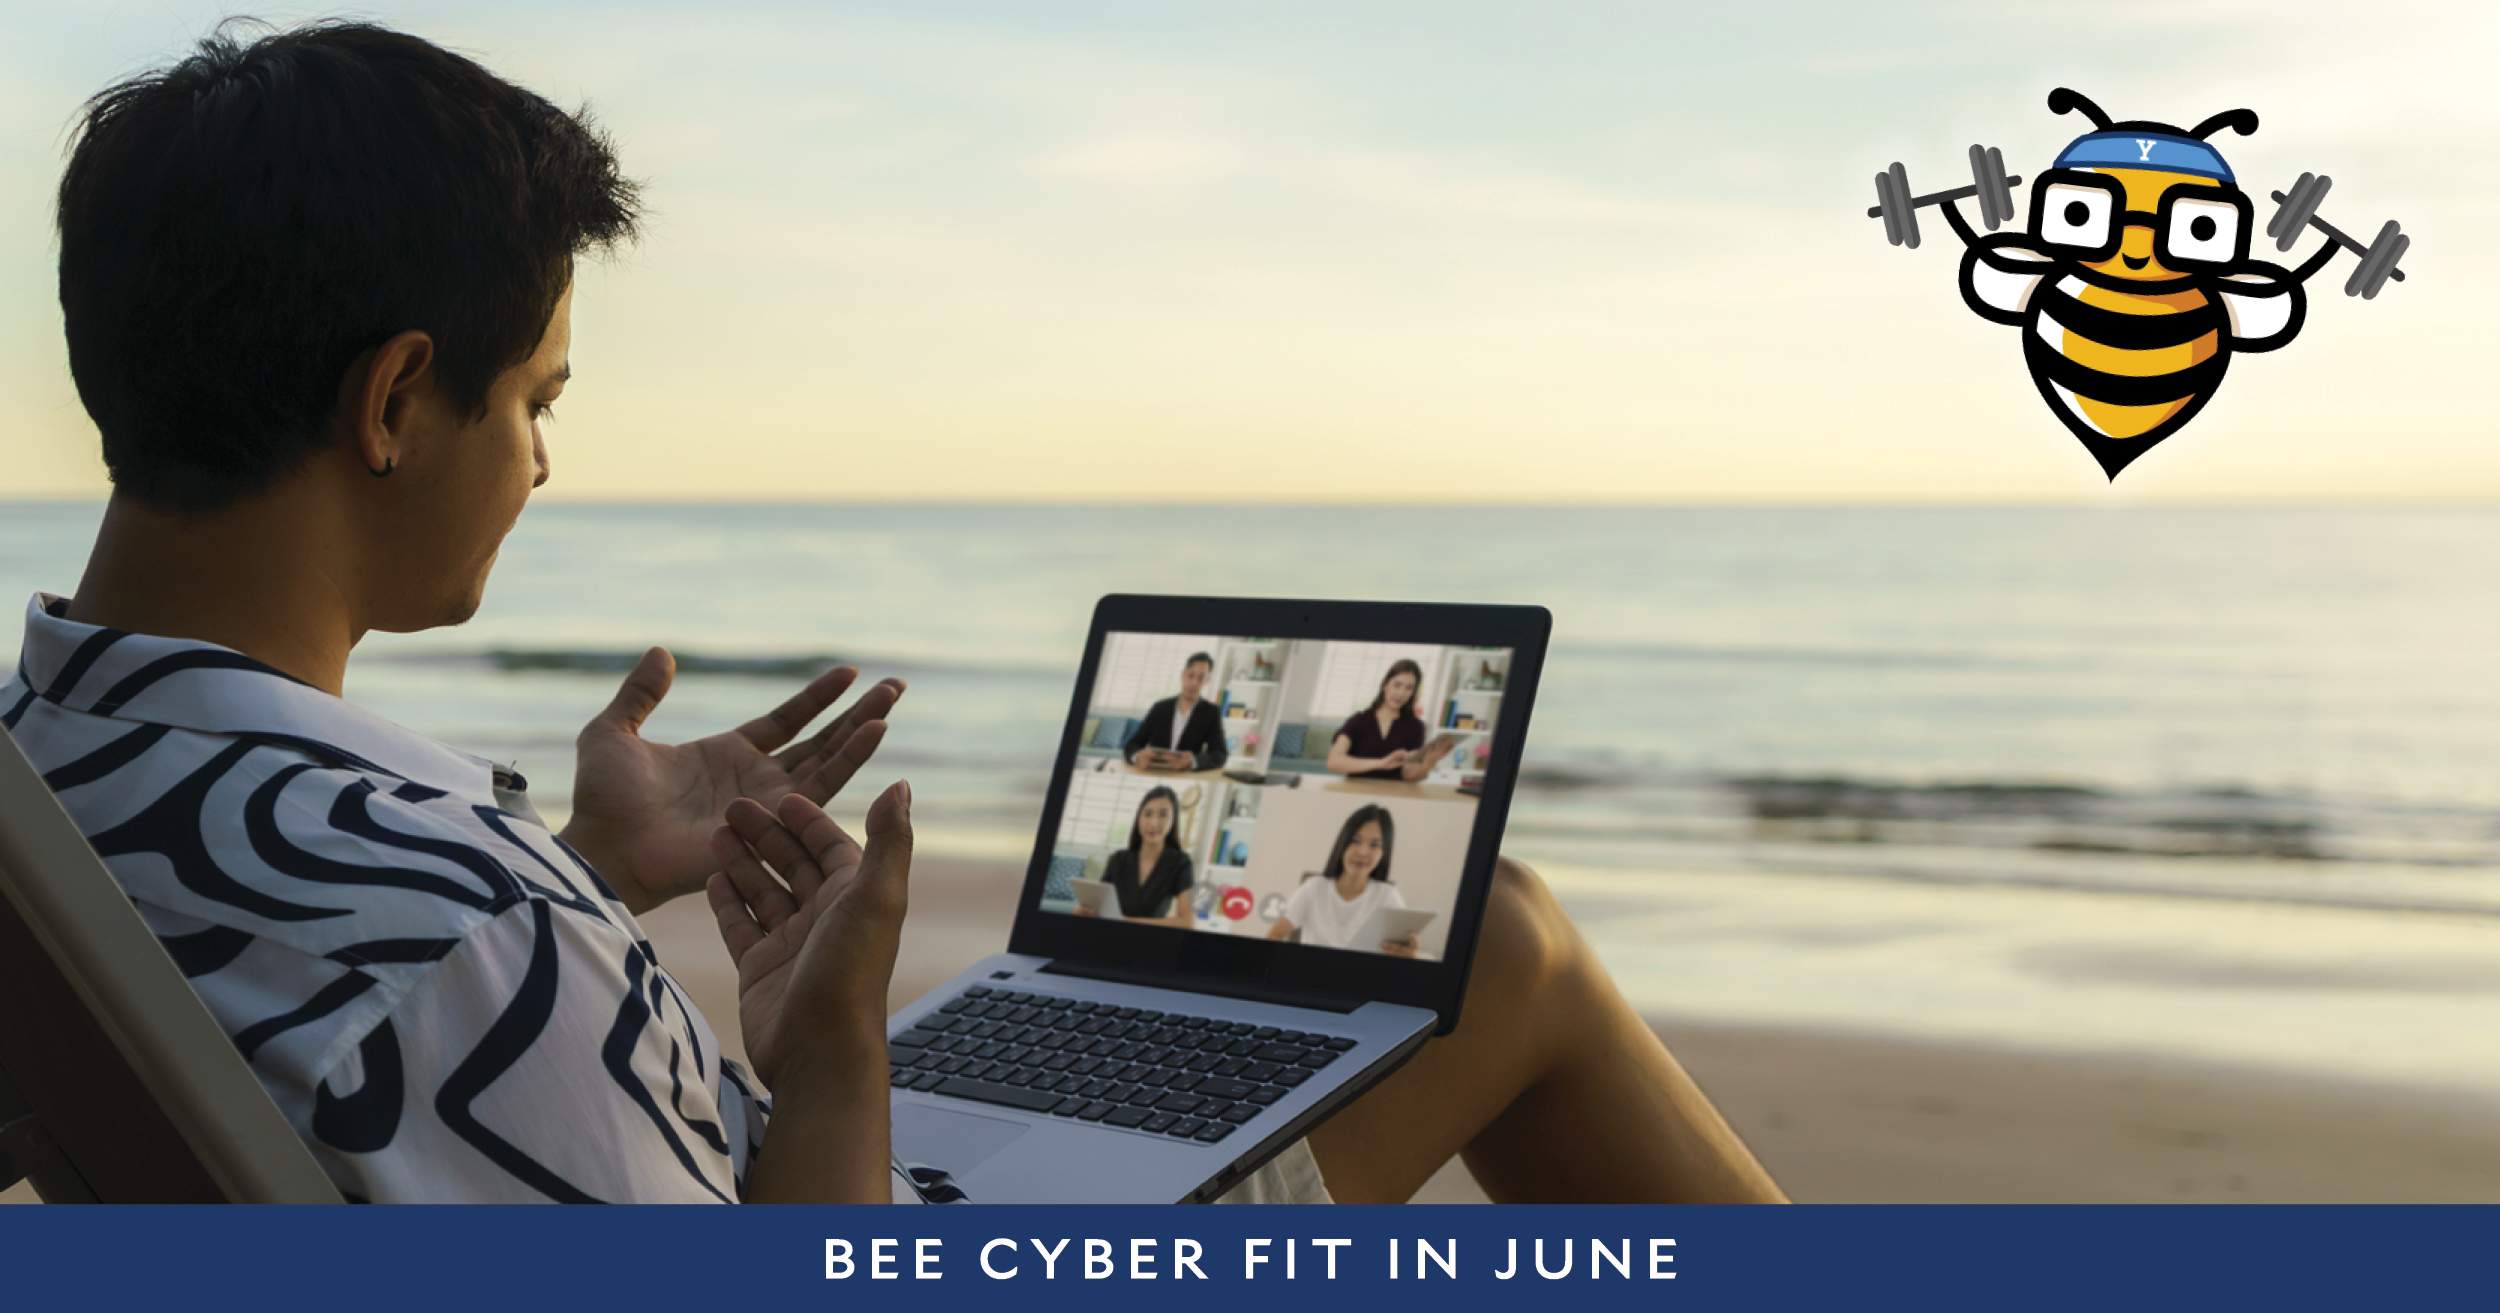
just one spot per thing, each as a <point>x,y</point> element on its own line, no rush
<point>1164,1055</point>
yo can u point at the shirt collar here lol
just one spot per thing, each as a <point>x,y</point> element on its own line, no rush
<point>147,679</point>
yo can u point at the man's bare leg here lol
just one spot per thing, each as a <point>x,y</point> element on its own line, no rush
<point>1551,1088</point>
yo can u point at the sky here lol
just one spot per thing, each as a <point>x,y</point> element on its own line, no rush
<point>1392,252</point>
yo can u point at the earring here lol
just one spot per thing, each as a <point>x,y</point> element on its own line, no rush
<point>389,463</point>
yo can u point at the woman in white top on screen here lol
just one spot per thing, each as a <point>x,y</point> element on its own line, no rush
<point>1330,908</point>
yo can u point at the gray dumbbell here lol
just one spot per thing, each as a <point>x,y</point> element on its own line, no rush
<point>1899,209</point>
<point>2299,210</point>
<point>1989,183</point>
<point>2292,216</point>
<point>1894,206</point>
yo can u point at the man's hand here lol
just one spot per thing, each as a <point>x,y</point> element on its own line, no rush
<point>814,959</point>
<point>643,812</point>
<point>814,945</point>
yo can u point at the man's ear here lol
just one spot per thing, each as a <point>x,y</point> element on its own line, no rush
<point>379,395</point>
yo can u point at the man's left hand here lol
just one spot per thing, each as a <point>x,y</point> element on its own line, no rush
<point>644,812</point>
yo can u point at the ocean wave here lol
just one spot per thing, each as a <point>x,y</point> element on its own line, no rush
<point>751,665</point>
<point>1814,656</point>
<point>2044,816</point>
<point>2211,821</point>
<point>1778,797</point>
<point>597,661</point>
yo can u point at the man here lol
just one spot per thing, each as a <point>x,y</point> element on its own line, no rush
<point>318,360</point>
<point>1184,732</point>
<point>316,288</point>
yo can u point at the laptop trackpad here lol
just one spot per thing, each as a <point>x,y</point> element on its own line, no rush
<point>952,1142</point>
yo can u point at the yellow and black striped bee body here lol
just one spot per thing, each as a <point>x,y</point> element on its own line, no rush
<point>2090,343</point>
<point>2133,286</point>
<point>2126,363</point>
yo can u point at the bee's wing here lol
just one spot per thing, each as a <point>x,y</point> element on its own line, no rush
<point>2266,305</point>
<point>1999,274</point>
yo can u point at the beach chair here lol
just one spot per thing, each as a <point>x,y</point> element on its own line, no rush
<point>116,1085</point>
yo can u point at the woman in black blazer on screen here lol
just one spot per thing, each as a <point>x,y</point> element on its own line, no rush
<point>1152,875</point>
<point>1201,729</point>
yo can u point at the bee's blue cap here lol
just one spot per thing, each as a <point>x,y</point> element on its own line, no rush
<point>2138,148</point>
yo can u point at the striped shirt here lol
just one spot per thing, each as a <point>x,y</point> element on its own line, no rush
<point>443,998</point>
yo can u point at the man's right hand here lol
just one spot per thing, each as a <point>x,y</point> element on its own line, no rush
<point>643,812</point>
<point>815,945</point>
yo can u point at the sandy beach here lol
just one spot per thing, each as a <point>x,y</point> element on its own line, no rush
<point>1843,1116</point>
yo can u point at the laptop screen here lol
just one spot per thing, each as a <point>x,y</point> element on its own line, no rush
<point>1288,799</point>
<point>1315,791</point>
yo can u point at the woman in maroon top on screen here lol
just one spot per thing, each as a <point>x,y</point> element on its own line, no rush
<point>1385,741</point>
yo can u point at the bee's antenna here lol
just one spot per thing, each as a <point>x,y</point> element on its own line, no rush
<point>2244,121</point>
<point>2064,99</point>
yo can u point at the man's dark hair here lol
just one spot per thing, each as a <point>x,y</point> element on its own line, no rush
<point>237,229</point>
<point>1198,658</point>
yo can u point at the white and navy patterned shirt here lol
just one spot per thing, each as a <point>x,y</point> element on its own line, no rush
<point>445,1000</point>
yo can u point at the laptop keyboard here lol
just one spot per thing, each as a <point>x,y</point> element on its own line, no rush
<point>1161,1073</point>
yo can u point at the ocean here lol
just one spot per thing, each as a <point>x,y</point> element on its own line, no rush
<point>2270,703</point>
<point>2063,714</point>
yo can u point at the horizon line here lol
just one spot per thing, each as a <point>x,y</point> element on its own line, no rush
<point>2472,503</point>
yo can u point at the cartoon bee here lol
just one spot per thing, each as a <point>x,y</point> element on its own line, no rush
<point>2134,286</point>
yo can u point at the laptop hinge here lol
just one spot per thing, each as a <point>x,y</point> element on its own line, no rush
<point>1201,985</point>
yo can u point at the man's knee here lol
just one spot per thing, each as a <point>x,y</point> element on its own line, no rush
<point>1518,887</point>
<point>1528,942</point>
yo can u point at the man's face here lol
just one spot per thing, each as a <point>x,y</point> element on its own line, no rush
<point>466,484</point>
<point>1193,678</point>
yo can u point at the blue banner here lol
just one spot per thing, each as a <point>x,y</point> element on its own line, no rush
<point>470,1259</point>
